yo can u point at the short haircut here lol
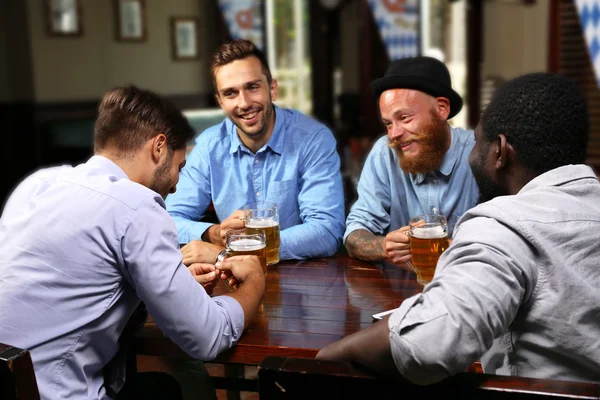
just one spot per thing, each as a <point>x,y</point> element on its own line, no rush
<point>128,117</point>
<point>543,116</point>
<point>238,50</point>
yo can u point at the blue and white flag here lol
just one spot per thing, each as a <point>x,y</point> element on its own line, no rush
<point>398,25</point>
<point>589,15</point>
<point>244,19</point>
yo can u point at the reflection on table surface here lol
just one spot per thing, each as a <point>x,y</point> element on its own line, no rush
<point>308,305</point>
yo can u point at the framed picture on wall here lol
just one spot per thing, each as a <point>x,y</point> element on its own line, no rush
<point>64,17</point>
<point>184,38</point>
<point>131,20</point>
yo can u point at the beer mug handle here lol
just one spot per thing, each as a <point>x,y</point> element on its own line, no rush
<point>411,266</point>
<point>222,256</point>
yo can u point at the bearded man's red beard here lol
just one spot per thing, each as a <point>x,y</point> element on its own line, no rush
<point>432,141</point>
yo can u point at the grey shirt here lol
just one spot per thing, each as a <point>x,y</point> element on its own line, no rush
<point>519,288</point>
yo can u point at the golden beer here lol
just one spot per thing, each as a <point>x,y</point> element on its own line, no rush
<point>270,227</point>
<point>428,240</point>
<point>249,247</point>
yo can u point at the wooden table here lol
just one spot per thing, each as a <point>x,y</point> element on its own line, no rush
<point>308,305</point>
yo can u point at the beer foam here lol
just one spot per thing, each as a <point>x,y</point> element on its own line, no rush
<point>261,223</point>
<point>429,232</point>
<point>246,245</point>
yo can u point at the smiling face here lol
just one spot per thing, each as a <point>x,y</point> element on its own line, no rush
<point>416,127</point>
<point>246,97</point>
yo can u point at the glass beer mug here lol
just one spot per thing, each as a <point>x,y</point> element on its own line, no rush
<point>240,244</point>
<point>428,240</point>
<point>264,217</point>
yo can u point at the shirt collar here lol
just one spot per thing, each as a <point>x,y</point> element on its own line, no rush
<point>560,176</point>
<point>448,161</point>
<point>107,165</point>
<point>275,142</point>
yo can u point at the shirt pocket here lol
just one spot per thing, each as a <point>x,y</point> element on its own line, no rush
<point>279,189</point>
<point>285,195</point>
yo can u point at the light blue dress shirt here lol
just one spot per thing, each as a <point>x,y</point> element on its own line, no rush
<point>298,168</point>
<point>388,197</point>
<point>79,248</point>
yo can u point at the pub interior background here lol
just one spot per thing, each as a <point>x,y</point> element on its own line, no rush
<point>324,54</point>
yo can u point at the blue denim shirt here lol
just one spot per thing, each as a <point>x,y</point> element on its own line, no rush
<point>298,168</point>
<point>388,197</point>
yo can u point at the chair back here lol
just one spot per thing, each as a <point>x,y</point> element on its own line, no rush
<point>298,378</point>
<point>17,378</point>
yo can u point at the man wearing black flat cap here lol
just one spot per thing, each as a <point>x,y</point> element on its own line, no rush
<point>421,167</point>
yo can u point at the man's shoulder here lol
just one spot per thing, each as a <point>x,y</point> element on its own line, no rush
<point>103,186</point>
<point>215,134</point>
<point>465,136</point>
<point>295,119</point>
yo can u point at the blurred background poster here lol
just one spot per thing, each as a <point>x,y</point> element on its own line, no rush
<point>244,19</point>
<point>398,25</point>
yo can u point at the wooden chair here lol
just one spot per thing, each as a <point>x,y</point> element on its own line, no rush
<point>298,378</point>
<point>17,378</point>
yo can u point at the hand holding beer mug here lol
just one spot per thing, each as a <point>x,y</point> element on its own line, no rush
<point>240,244</point>
<point>264,217</point>
<point>428,240</point>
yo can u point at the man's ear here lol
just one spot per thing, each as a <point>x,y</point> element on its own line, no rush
<point>159,148</point>
<point>274,87</point>
<point>503,153</point>
<point>442,107</point>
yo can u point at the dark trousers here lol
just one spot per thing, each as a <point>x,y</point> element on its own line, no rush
<point>150,386</point>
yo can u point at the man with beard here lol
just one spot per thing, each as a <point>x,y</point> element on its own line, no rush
<point>420,168</point>
<point>520,286</point>
<point>260,152</point>
<point>81,247</point>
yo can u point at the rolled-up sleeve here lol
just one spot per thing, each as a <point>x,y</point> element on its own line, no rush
<point>201,326</point>
<point>371,211</point>
<point>480,283</point>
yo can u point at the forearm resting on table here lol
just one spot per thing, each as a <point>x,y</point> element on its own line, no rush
<point>365,245</point>
<point>369,348</point>
<point>249,294</point>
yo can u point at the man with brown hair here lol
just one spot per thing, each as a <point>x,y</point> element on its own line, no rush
<point>261,152</point>
<point>82,246</point>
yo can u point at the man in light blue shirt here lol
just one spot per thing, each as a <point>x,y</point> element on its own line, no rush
<point>82,246</point>
<point>421,167</point>
<point>261,153</point>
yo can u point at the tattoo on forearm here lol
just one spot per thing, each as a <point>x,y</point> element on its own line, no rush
<point>365,245</point>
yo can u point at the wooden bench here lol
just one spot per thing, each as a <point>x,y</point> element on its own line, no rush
<point>17,378</point>
<point>303,378</point>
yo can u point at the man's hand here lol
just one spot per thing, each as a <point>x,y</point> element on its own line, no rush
<point>198,251</point>
<point>216,233</point>
<point>240,267</point>
<point>205,274</point>
<point>397,246</point>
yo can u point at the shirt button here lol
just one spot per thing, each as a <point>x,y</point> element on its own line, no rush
<point>255,161</point>
<point>258,194</point>
<point>435,181</point>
